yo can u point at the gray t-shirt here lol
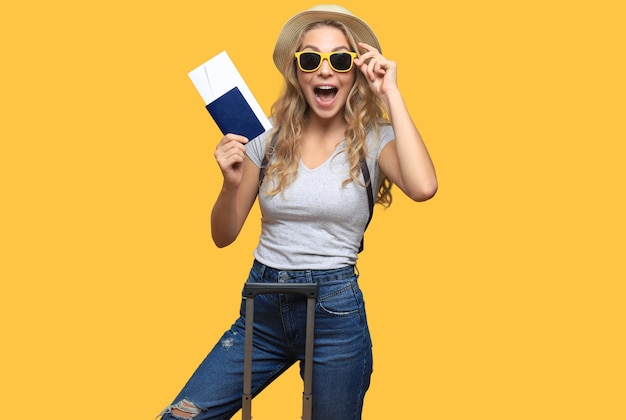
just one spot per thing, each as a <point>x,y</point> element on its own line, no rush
<point>316,223</point>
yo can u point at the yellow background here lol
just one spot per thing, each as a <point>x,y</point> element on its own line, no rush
<point>501,298</point>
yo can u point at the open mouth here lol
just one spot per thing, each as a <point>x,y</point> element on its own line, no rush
<point>325,93</point>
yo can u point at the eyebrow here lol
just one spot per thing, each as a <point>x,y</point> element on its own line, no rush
<point>312,47</point>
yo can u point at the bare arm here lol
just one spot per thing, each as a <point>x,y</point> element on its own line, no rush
<point>239,190</point>
<point>405,161</point>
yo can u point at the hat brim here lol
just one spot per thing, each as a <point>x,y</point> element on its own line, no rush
<point>297,23</point>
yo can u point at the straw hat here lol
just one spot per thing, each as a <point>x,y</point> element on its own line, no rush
<point>288,34</point>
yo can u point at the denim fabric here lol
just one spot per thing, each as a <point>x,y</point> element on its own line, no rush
<point>342,363</point>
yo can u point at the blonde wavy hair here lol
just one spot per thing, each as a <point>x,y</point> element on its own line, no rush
<point>363,112</point>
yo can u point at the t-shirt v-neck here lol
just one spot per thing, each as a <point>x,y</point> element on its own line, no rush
<point>321,165</point>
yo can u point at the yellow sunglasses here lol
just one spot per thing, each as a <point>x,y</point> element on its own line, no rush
<point>310,61</point>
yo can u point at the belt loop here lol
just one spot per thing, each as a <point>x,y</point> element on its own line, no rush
<point>261,269</point>
<point>309,276</point>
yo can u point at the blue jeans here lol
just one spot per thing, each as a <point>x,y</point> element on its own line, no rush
<point>342,363</point>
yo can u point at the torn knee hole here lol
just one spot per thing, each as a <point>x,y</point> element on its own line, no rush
<point>185,409</point>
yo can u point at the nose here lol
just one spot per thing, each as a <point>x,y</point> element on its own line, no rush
<point>325,68</point>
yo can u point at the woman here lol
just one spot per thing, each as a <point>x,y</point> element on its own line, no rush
<point>341,105</point>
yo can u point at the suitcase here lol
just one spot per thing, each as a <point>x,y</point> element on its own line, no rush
<point>250,291</point>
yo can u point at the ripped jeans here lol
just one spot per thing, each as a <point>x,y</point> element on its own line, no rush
<point>342,363</point>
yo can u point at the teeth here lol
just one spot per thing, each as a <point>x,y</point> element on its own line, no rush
<point>325,87</point>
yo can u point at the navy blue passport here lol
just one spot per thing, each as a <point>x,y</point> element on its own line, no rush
<point>232,114</point>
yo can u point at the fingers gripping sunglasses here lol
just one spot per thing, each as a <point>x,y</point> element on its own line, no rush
<point>310,61</point>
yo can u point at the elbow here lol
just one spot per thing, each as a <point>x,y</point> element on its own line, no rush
<point>223,234</point>
<point>423,192</point>
<point>221,242</point>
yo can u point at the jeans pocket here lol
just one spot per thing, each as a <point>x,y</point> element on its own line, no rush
<point>342,302</point>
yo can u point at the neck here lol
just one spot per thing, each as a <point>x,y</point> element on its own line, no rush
<point>321,127</point>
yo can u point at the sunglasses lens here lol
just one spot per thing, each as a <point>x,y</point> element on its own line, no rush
<point>341,61</point>
<point>310,61</point>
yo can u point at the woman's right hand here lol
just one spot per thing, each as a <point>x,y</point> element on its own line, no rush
<point>230,154</point>
<point>238,192</point>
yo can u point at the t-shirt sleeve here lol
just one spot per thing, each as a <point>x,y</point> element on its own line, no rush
<point>386,136</point>
<point>255,148</point>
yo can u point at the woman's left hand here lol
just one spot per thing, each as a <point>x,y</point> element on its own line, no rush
<point>379,72</point>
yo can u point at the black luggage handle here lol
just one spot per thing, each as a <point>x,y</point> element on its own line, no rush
<point>307,289</point>
<point>250,291</point>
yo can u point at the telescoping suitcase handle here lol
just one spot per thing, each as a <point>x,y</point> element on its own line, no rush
<point>250,291</point>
